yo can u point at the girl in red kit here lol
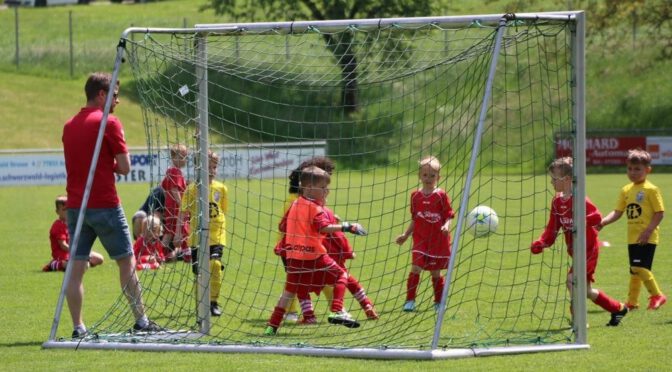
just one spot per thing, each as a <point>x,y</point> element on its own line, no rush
<point>431,214</point>
<point>561,217</point>
<point>148,249</point>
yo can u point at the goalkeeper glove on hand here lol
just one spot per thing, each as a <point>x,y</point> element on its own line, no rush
<point>353,228</point>
<point>537,247</point>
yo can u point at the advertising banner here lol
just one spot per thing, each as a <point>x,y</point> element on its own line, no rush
<point>604,150</point>
<point>47,167</point>
<point>660,149</point>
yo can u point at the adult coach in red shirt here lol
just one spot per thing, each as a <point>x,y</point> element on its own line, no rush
<point>104,218</point>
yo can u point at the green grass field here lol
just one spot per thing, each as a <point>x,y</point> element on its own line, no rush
<point>29,308</point>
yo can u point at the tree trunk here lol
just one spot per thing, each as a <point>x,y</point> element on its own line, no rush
<point>345,56</point>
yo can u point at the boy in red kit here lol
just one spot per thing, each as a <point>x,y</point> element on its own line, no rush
<point>148,249</point>
<point>176,226</point>
<point>60,241</point>
<point>309,267</point>
<point>562,218</point>
<point>431,214</point>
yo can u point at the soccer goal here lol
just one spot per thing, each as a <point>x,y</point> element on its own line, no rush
<point>487,95</point>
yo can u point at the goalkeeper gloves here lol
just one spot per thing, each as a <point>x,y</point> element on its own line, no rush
<point>353,228</point>
<point>537,247</point>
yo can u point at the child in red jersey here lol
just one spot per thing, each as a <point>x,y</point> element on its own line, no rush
<point>148,249</point>
<point>176,225</point>
<point>561,217</point>
<point>431,214</point>
<point>60,241</point>
<point>309,267</point>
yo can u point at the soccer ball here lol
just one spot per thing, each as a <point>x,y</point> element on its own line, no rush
<point>482,221</point>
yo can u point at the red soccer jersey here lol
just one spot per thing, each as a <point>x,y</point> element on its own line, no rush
<point>173,180</point>
<point>141,247</point>
<point>59,231</point>
<point>338,246</point>
<point>561,218</point>
<point>429,213</point>
<point>79,140</point>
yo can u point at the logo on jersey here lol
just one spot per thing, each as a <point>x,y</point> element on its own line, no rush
<point>640,197</point>
<point>633,211</point>
<point>214,210</point>
<point>430,217</point>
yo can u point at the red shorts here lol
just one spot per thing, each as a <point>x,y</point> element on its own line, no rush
<point>305,276</point>
<point>430,263</point>
<point>591,265</point>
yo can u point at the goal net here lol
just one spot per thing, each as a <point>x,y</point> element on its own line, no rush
<point>486,95</point>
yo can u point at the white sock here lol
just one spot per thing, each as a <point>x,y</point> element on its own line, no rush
<point>142,322</point>
<point>81,328</point>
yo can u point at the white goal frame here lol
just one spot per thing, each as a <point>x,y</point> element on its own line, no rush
<point>436,352</point>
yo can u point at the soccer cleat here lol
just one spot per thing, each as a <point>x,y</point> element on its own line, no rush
<point>617,317</point>
<point>291,317</point>
<point>631,306</point>
<point>215,310</point>
<point>308,321</point>
<point>656,301</point>
<point>150,327</point>
<point>370,312</point>
<point>78,334</point>
<point>437,306</point>
<point>343,318</point>
<point>409,306</point>
<point>270,331</point>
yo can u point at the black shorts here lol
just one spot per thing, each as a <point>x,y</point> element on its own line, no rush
<point>216,251</point>
<point>641,255</point>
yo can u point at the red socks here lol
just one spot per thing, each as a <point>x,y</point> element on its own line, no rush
<point>607,303</point>
<point>438,284</point>
<point>412,286</point>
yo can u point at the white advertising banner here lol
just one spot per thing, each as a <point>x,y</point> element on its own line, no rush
<point>47,167</point>
<point>660,149</point>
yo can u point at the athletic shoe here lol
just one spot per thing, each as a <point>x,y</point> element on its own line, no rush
<point>308,321</point>
<point>409,306</point>
<point>617,317</point>
<point>291,317</point>
<point>657,301</point>
<point>370,312</point>
<point>150,327</point>
<point>631,306</point>
<point>79,334</point>
<point>270,331</point>
<point>215,310</point>
<point>343,318</point>
<point>437,306</point>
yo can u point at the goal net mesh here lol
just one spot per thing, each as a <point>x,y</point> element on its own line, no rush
<point>376,101</point>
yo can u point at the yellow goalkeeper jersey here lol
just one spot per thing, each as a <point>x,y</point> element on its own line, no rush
<point>218,207</point>
<point>639,202</point>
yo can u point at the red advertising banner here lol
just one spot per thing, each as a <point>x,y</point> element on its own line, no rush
<point>603,150</point>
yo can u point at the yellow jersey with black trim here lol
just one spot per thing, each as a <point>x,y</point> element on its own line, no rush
<point>639,202</point>
<point>218,207</point>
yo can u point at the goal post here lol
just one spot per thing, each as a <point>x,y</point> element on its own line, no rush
<point>486,94</point>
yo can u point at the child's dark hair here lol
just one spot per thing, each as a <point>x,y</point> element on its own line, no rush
<point>61,200</point>
<point>639,156</point>
<point>564,165</point>
<point>321,162</point>
<point>312,175</point>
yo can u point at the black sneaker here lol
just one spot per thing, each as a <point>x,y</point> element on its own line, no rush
<point>617,317</point>
<point>150,327</point>
<point>78,335</point>
<point>215,310</point>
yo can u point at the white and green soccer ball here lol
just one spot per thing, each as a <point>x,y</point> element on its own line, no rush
<point>482,221</point>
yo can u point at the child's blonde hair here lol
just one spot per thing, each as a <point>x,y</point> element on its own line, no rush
<point>152,223</point>
<point>564,165</point>
<point>312,175</point>
<point>61,200</point>
<point>178,149</point>
<point>430,161</point>
<point>639,156</point>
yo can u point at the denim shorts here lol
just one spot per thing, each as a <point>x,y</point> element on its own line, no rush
<point>107,224</point>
